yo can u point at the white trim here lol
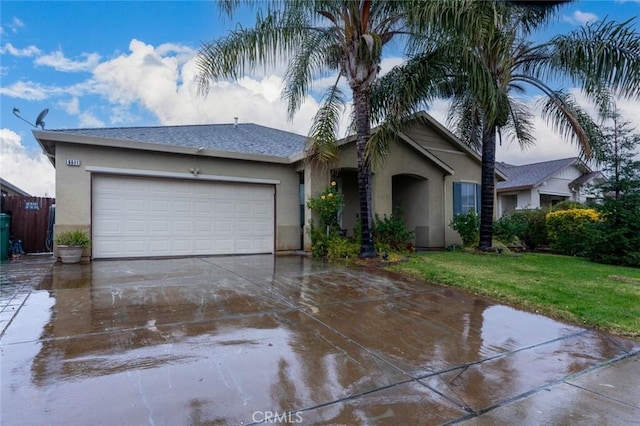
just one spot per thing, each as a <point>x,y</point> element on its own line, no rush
<point>558,194</point>
<point>187,176</point>
<point>448,151</point>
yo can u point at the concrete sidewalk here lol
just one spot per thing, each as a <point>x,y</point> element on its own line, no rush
<point>263,339</point>
<point>18,278</point>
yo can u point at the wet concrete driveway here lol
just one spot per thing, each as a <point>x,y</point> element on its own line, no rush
<point>234,340</point>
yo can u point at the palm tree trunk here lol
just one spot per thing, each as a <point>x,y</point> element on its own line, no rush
<point>363,132</point>
<point>488,188</point>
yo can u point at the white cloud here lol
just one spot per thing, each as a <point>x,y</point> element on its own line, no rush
<point>580,18</point>
<point>89,120</point>
<point>16,24</point>
<point>549,144</point>
<point>34,91</point>
<point>27,90</point>
<point>72,107</point>
<point>59,62</point>
<point>26,52</point>
<point>29,171</point>
<point>164,84</point>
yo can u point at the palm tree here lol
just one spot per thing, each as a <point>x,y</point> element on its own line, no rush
<point>345,37</point>
<point>497,59</point>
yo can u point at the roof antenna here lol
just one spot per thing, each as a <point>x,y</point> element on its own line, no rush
<point>235,121</point>
<point>39,119</point>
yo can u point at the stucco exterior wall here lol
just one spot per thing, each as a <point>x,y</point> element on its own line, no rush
<point>73,194</point>
<point>404,160</point>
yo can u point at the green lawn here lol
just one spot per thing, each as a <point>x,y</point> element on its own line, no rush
<point>569,288</point>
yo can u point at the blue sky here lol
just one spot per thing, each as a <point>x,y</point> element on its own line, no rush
<point>113,64</point>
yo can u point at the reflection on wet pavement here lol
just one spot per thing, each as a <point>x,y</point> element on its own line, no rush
<point>228,340</point>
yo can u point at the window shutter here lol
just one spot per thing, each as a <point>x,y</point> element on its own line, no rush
<point>478,198</point>
<point>457,198</point>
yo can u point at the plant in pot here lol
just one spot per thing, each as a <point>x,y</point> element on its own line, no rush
<point>70,245</point>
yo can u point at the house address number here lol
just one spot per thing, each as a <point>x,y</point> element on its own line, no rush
<point>74,163</point>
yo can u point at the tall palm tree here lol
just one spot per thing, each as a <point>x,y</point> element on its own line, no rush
<point>344,37</point>
<point>497,59</point>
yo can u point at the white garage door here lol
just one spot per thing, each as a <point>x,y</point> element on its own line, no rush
<point>147,217</point>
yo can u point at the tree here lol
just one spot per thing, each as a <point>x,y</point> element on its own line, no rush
<point>618,156</point>
<point>616,238</point>
<point>496,58</point>
<point>318,37</point>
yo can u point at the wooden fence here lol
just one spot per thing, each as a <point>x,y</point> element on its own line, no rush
<point>29,221</point>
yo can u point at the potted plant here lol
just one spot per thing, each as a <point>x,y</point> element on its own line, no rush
<point>70,245</point>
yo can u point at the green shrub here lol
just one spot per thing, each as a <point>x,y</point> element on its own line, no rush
<point>319,239</point>
<point>506,230</point>
<point>529,226</point>
<point>76,238</point>
<point>468,226</point>
<point>328,205</point>
<point>342,248</point>
<point>568,230</point>
<point>616,238</point>
<point>568,205</point>
<point>392,232</point>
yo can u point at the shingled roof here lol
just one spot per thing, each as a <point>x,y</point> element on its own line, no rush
<point>530,175</point>
<point>246,138</point>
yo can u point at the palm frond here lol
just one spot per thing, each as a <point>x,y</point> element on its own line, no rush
<point>567,118</point>
<point>377,147</point>
<point>466,118</point>
<point>308,62</point>
<point>273,38</point>
<point>604,52</point>
<point>520,123</point>
<point>407,88</point>
<point>323,148</point>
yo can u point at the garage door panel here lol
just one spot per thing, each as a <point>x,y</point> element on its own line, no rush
<point>159,226</point>
<point>136,217</point>
<point>182,226</point>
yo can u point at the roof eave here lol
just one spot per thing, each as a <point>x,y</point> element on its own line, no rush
<point>514,188</point>
<point>57,137</point>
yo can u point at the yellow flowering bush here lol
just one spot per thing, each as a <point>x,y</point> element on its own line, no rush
<point>325,239</point>
<point>568,230</point>
<point>328,206</point>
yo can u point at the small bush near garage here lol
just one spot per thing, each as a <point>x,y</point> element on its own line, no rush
<point>568,230</point>
<point>391,233</point>
<point>327,205</point>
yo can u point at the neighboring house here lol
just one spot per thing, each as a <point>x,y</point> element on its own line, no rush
<point>544,184</point>
<point>242,188</point>
<point>6,188</point>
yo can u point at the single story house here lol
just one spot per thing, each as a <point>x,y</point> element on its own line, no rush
<point>531,186</point>
<point>242,188</point>
<point>9,189</point>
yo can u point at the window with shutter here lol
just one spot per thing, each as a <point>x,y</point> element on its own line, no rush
<point>466,197</point>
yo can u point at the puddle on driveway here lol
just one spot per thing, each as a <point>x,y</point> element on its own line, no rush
<point>225,340</point>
